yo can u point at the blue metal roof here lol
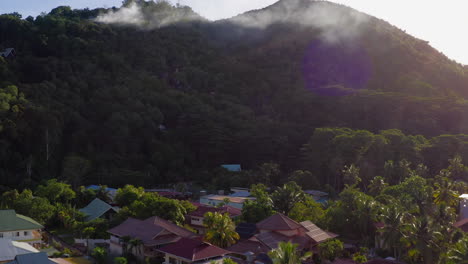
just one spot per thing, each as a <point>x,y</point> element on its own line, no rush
<point>97,187</point>
<point>232,167</point>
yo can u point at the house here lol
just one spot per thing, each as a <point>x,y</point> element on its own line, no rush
<point>280,228</point>
<point>463,207</point>
<point>232,167</point>
<point>9,249</point>
<point>153,233</point>
<point>462,224</point>
<point>19,228</point>
<point>111,191</point>
<point>195,218</point>
<point>188,250</point>
<point>8,53</point>
<point>98,209</point>
<point>32,258</point>
<point>318,196</point>
<point>214,200</point>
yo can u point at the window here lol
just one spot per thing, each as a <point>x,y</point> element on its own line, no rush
<point>26,233</point>
<point>17,234</point>
<point>1,235</point>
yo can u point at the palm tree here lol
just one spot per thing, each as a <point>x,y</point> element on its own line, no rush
<point>445,192</point>
<point>135,244</point>
<point>287,253</point>
<point>459,253</point>
<point>393,218</point>
<point>286,197</point>
<point>220,230</point>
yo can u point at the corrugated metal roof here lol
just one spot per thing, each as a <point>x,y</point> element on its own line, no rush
<point>315,233</point>
<point>11,221</point>
<point>96,209</point>
<point>9,249</point>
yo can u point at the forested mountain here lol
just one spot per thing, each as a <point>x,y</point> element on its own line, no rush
<point>163,95</point>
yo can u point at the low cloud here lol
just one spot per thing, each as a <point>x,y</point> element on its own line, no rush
<point>148,15</point>
<point>335,21</point>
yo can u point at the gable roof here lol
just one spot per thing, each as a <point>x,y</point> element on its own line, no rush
<point>96,209</point>
<point>9,249</point>
<point>271,239</point>
<point>171,227</point>
<point>245,246</point>
<point>32,258</point>
<point>193,250</point>
<point>11,221</point>
<point>278,222</point>
<point>315,233</point>
<point>151,231</point>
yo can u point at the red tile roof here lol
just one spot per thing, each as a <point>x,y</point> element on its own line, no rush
<point>151,231</point>
<point>171,227</point>
<point>249,245</point>
<point>462,224</point>
<point>202,210</point>
<point>278,222</point>
<point>193,250</point>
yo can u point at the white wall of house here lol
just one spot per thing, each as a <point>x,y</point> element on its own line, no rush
<point>171,259</point>
<point>20,235</point>
<point>196,220</point>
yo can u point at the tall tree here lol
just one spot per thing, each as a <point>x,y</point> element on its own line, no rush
<point>220,230</point>
<point>285,198</point>
<point>287,253</point>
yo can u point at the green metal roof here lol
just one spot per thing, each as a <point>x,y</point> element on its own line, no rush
<point>11,221</point>
<point>96,209</point>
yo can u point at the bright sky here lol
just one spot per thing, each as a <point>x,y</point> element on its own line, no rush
<point>442,23</point>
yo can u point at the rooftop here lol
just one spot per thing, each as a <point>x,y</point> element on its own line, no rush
<point>9,249</point>
<point>32,258</point>
<point>232,167</point>
<point>96,209</point>
<point>278,222</point>
<point>193,250</point>
<point>231,199</point>
<point>11,221</point>
<point>202,210</point>
<point>151,231</point>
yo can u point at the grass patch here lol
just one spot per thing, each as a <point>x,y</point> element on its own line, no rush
<point>79,260</point>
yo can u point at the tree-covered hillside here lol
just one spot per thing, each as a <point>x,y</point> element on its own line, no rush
<point>95,101</point>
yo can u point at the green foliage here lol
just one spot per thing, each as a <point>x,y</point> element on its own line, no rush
<point>256,210</point>
<point>99,254</point>
<point>127,195</point>
<point>56,191</point>
<point>307,210</point>
<point>287,253</point>
<point>151,204</point>
<point>120,260</point>
<point>220,230</point>
<point>330,249</point>
<point>287,196</point>
<point>229,261</point>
